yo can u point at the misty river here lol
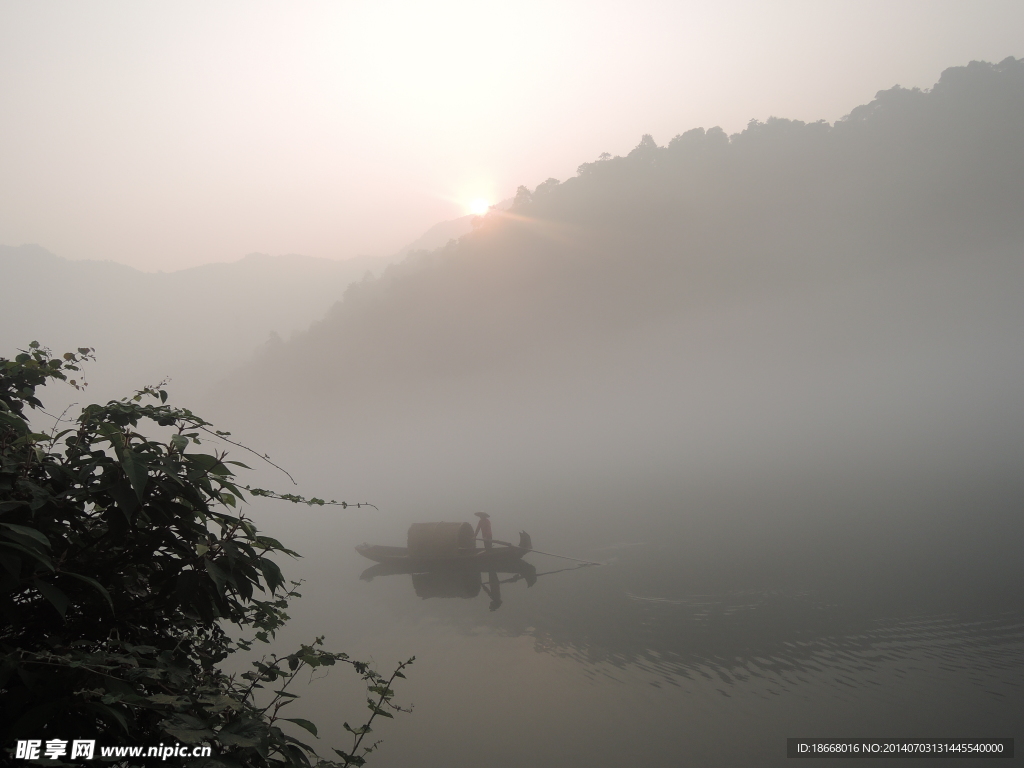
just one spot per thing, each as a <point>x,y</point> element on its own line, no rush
<point>644,661</point>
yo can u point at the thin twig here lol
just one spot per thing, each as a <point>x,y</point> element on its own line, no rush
<point>250,450</point>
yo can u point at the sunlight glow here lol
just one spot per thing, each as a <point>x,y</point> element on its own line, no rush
<point>479,207</point>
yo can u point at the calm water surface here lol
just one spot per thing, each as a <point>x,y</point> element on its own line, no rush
<point>630,664</point>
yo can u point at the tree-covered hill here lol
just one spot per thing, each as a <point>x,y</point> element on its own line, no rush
<point>916,183</point>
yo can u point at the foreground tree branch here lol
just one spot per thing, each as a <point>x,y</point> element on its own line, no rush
<point>122,560</point>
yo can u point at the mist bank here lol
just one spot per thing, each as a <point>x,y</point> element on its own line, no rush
<point>794,346</point>
<point>193,326</point>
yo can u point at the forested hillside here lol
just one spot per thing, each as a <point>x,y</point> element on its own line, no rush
<point>914,186</point>
<point>913,174</point>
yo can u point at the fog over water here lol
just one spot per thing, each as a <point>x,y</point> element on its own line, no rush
<point>770,380</point>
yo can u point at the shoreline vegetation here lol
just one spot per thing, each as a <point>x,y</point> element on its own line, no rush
<point>124,558</point>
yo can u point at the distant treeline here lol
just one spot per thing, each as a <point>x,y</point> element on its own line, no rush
<point>913,175</point>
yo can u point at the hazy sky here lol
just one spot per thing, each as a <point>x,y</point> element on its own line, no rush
<point>169,135</point>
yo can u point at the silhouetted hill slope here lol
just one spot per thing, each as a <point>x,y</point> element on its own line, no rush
<point>439,234</point>
<point>752,333</point>
<point>195,324</point>
<point>915,180</point>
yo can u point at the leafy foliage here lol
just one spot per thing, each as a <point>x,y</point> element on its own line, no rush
<point>121,559</point>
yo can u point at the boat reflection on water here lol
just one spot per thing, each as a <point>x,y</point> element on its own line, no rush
<point>458,579</point>
<point>444,561</point>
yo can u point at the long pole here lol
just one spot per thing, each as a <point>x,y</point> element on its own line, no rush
<point>565,557</point>
<point>549,554</point>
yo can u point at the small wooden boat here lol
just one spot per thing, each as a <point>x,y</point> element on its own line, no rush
<point>445,544</point>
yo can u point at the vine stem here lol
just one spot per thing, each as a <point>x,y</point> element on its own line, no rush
<point>384,698</point>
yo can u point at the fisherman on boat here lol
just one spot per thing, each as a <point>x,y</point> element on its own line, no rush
<point>483,528</point>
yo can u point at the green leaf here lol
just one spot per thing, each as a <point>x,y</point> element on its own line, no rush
<point>136,469</point>
<point>18,424</point>
<point>57,598</point>
<point>247,732</point>
<point>194,735</point>
<point>188,729</point>
<point>24,530</point>
<point>92,583</point>
<point>269,542</point>
<point>302,724</point>
<point>272,574</point>
<point>233,739</point>
<point>220,703</point>
<point>350,759</point>
<point>35,554</point>
<point>207,463</point>
<point>166,698</point>
<point>106,711</point>
<point>218,574</point>
<point>122,493</point>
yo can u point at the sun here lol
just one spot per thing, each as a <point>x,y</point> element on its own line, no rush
<point>479,207</point>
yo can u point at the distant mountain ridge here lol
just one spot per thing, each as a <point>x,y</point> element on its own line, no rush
<point>235,307</point>
<point>194,324</point>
